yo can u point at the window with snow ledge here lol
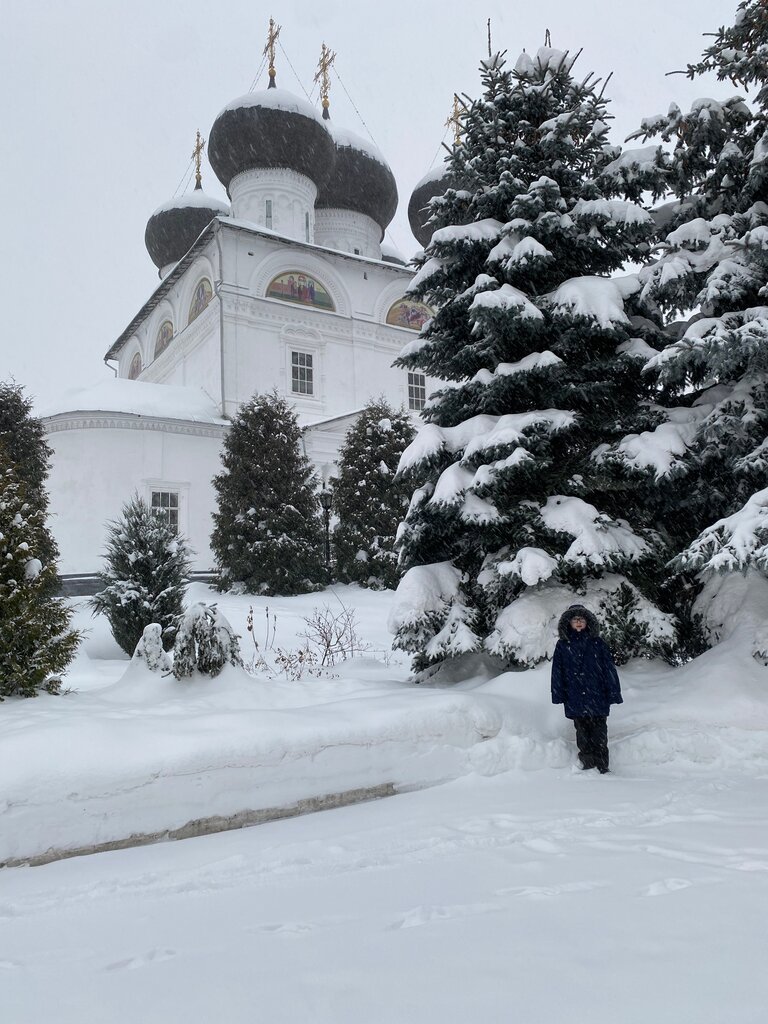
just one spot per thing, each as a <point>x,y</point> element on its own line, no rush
<point>417,391</point>
<point>302,373</point>
<point>167,504</point>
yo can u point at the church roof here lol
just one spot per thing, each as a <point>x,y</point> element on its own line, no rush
<point>361,179</point>
<point>137,398</point>
<point>175,225</point>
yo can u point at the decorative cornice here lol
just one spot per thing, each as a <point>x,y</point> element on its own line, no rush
<point>83,420</point>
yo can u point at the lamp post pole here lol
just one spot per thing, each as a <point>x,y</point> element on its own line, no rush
<point>325,500</point>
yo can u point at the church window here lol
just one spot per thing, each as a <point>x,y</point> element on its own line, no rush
<point>201,298</point>
<point>135,368</point>
<point>268,213</point>
<point>302,373</point>
<point>293,286</point>
<point>164,336</point>
<point>166,503</point>
<point>409,314</point>
<point>306,227</point>
<point>417,391</point>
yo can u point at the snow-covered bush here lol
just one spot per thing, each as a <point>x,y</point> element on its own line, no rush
<point>145,575</point>
<point>513,503</point>
<point>36,643</point>
<point>267,537</point>
<point>205,642</point>
<point>151,651</point>
<point>369,502</point>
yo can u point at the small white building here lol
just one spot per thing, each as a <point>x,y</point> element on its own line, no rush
<point>287,290</point>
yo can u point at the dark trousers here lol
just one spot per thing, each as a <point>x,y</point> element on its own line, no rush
<point>592,741</point>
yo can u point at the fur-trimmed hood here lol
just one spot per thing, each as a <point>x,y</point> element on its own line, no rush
<point>563,626</point>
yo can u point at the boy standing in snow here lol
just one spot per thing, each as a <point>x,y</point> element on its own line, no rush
<point>585,680</point>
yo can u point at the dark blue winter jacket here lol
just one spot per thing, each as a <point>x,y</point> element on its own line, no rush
<point>584,677</point>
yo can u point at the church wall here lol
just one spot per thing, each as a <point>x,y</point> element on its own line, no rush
<point>128,458</point>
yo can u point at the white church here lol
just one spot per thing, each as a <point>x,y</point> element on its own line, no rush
<point>287,288</point>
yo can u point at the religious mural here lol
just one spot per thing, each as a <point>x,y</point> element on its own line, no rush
<point>302,288</point>
<point>164,337</point>
<point>408,313</point>
<point>201,298</point>
<point>135,368</point>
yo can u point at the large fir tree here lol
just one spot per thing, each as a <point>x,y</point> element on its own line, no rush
<point>713,270</point>
<point>369,502</point>
<point>145,575</point>
<point>267,537</point>
<point>36,642</point>
<point>515,510</point>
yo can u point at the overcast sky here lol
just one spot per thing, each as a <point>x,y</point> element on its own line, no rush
<point>100,100</point>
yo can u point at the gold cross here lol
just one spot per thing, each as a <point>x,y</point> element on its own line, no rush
<point>454,120</point>
<point>269,50</point>
<point>327,57</point>
<point>197,156</point>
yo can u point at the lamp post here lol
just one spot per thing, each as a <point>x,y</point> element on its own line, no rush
<point>326,498</point>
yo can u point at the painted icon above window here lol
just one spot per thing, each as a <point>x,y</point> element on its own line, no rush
<point>201,298</point>
<point>408,313</point>
<point>164,337</point>
<point>135,368</point>
<point>302,288</point>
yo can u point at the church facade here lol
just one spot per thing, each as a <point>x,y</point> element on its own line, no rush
<point>287,289</point>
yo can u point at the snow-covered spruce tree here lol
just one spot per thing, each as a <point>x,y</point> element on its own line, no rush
<point>514,511</point>
<point>267,538</point>
<point>369,502</point>
<point>205,643</point>
<point>714,270</point>
<point>22,435</point>
<point>145,575</point>
<point>36,643</point>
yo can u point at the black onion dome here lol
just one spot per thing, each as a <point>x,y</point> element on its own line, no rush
<point>431,185</point>
<point>361,180</point>
<point>272,128</point>
<point>174,226</point>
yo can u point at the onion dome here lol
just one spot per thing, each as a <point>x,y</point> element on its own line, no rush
<point>173,227</point>
<point>361,180</point>
<point>431,185</point>
<point>270,129</point>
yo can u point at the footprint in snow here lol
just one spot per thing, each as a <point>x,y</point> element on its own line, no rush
<point>154,956</point>
<point>283,927</point>
<point>421,915</point>
<point>542,892</point>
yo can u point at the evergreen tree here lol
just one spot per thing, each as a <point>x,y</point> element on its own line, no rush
<point>714,270</point>
<point>267,537</point>
<point>36,643</point>
<point>516,507</point>
<point>22,436</point>
<point>368,501</point>
<point>145,575</point>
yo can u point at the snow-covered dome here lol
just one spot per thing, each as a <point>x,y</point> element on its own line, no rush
<point>174,226</point>
<point>434,183</point>
<point>268,130</point>
<point>361,180</point>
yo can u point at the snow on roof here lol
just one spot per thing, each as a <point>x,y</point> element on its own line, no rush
<point>275,99</point>
<point>138,398</point>
<point>436,173</point>
<point>344,137</point>
<point>196,199</point>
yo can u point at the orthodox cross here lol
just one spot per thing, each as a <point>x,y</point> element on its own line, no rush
<point>454,120</point>
<point>269,50</point>
<point>197,156</point>
<point>327,57</point>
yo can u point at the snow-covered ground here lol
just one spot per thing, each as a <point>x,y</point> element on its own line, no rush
<point>512,887</point>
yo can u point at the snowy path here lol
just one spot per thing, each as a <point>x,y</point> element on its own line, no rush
<point>538,896</point>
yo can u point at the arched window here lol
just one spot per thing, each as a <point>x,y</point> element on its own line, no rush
<point>164,336</point>
<point>408,313</point>
<point>201,298</point>
<point>295,286</point>
<point>135,368</point>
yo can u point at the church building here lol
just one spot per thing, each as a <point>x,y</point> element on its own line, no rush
<point>286,289</point>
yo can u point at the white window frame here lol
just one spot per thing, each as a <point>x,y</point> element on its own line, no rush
<point>181,489</point>
<point>299,364</point>
<point>417,391</point>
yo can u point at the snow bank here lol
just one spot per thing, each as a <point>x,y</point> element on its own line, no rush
<point>139,398</point>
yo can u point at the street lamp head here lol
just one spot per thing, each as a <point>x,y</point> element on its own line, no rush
<point>326,499</point>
